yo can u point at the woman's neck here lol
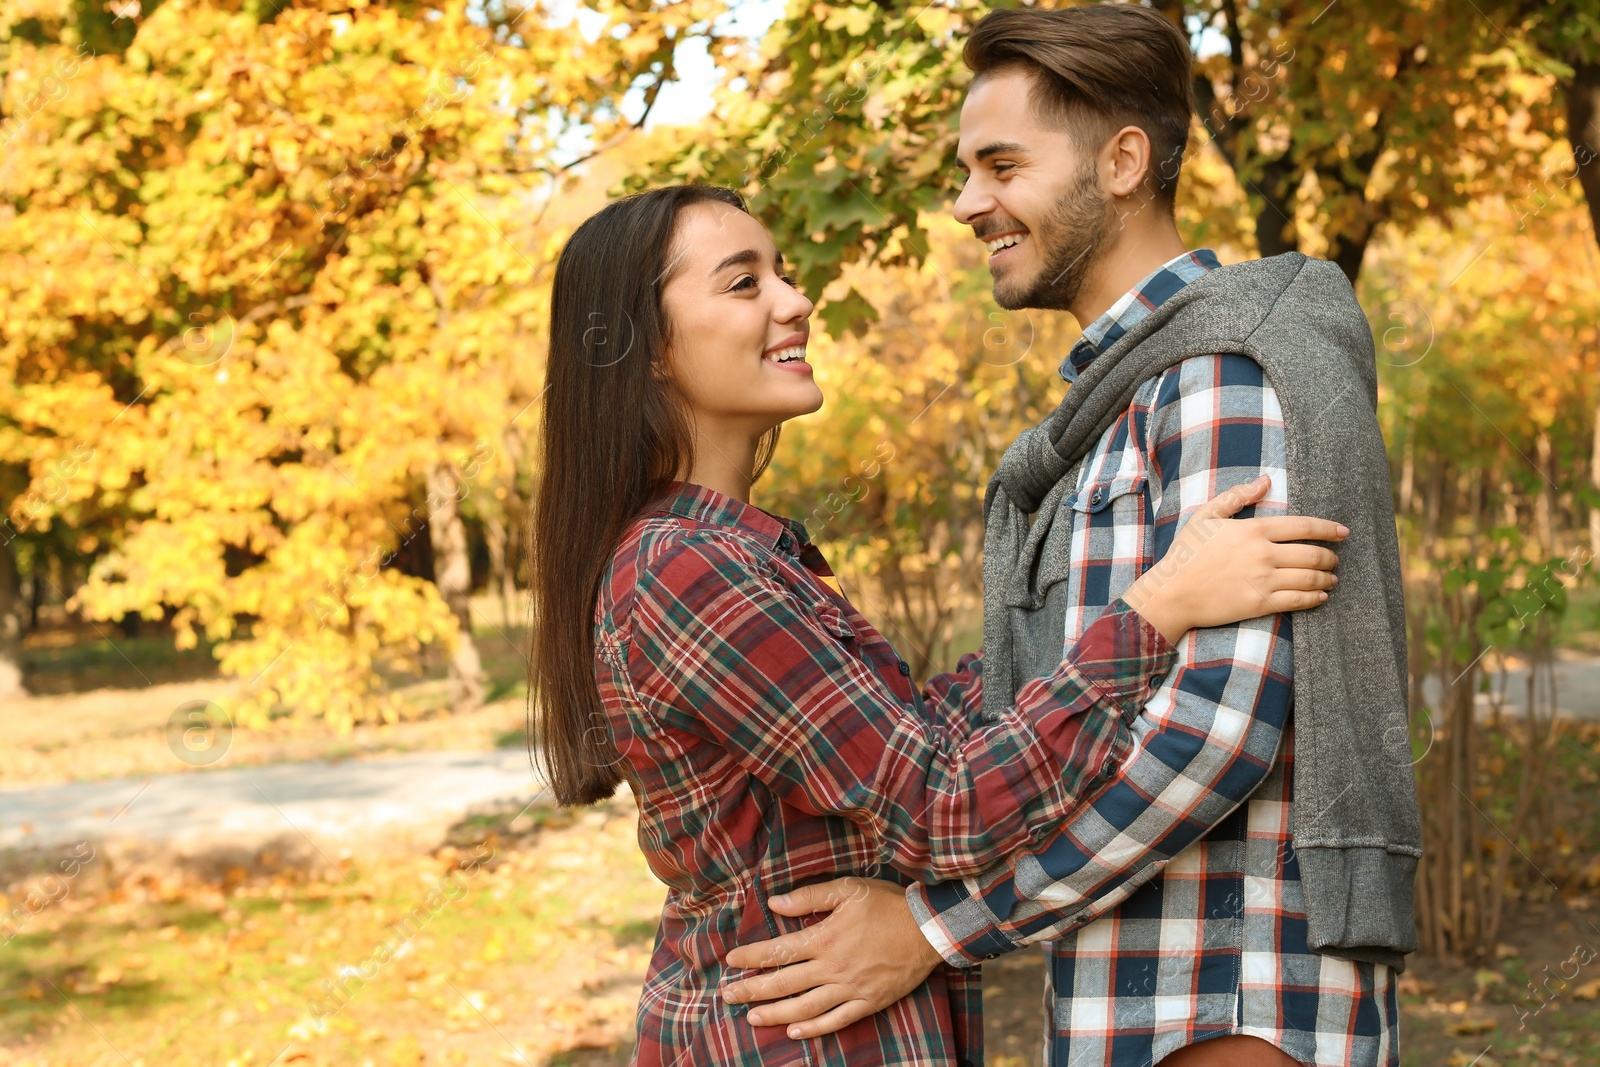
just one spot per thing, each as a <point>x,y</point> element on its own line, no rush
<point>724,462</point>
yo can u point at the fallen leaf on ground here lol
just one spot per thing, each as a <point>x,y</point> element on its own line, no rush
<point>1469,1027</point>
<point>1588,991</point>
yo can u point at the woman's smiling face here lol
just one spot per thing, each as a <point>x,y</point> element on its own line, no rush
<point>737,326</point>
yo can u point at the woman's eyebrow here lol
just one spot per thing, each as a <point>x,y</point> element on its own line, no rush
<point>749,255</point>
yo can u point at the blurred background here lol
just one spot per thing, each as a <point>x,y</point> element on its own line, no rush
<point>274,279</point>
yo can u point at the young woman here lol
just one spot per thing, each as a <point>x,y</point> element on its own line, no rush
<point>685,642</point>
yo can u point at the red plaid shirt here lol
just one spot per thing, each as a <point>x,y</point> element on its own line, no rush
<point>773,738</point>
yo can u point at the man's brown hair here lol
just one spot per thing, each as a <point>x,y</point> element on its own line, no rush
<point>1095,70</point>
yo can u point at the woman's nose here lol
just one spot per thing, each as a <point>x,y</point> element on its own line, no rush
<point>795,306</point>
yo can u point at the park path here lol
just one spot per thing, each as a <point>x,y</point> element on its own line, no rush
<point>327,803</point>
<point>1577,689</point>
<point>334,805</point>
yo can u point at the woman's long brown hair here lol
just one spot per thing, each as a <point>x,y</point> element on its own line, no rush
<point>615,435</point>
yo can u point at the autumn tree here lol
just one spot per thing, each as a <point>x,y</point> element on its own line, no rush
<point>271,274</point>
<point>1335,120</point>
<point>1563,39</point>
<point>1490,377</point>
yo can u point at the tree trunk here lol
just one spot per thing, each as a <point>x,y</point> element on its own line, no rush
<point>1583,130</point>
<point>11,687</point>
<point>1276,232</point>
<point>1594,478</point>
<point>35,598</point>
<point>1544,504</point>
<point>452,573</point>
<point>1348,249</point>
<point>498,540</point>
<point>1348,252</point>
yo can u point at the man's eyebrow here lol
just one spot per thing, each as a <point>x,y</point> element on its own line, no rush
<point>749,255</point>
<point>995,148</point>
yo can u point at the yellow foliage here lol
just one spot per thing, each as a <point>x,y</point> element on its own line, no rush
<point>260,278</point>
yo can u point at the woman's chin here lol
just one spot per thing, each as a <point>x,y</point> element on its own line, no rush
<point>811,405</point>
<point>803,399</point>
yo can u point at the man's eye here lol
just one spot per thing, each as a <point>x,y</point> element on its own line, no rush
<point>1001,168</point>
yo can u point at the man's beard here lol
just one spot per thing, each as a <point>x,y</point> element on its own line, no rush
<point>1073,238</point>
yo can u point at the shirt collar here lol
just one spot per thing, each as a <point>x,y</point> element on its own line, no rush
<point>1135,305</point>
<point>701,504</point>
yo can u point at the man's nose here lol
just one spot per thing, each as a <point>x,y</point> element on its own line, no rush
<point>972,203</point>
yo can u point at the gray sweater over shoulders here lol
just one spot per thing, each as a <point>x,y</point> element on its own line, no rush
<point>1357,829</point>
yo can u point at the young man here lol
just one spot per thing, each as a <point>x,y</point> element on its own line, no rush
<point>1239,892</point>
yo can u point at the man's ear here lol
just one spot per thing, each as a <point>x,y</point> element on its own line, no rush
<point>1125,162</point>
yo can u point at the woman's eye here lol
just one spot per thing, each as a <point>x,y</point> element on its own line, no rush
<point>788,279</point>
<point>744,283</point>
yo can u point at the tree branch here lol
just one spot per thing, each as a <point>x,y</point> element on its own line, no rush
<point>1223,128</point>
<point>1352,175</point>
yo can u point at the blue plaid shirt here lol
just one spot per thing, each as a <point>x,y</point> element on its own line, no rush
<point>1133,306</point>
<point>1172,900</point>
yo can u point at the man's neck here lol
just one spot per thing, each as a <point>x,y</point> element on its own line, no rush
<point>1123,266</point>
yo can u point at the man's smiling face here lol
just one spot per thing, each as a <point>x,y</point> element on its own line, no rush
<point>1032,195</point>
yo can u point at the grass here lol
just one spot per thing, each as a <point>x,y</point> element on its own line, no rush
<point>1457,1013</point>
<point>101,704</point>
<point>72,656</point>
<point>1489,1016</point>
<point>539,958</point>
<point>110,660</point>
<point>541,954</point>
<point>533,956</point>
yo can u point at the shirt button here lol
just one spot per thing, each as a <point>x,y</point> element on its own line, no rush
<point>1155,680</point>
<point>1095,500</point>
<point>905,668</point>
